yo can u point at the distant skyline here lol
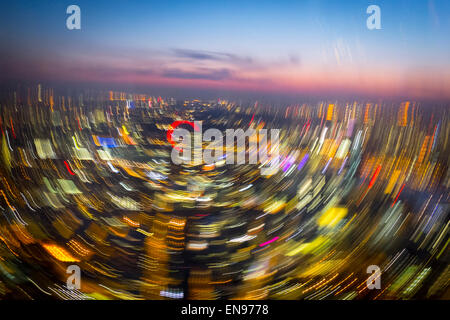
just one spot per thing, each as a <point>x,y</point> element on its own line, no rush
<point>308,48</point>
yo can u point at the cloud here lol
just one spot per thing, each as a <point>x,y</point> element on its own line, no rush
<point>211,56</point>
<point>201,73</point>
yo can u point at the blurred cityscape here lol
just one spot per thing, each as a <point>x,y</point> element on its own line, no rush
<point>87,180</point>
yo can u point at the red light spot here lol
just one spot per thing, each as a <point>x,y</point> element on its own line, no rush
<point>174,125</point>
<point>374,177</point>
<point>68,168</point>
<point>253,117</point>
<point>398,195</point>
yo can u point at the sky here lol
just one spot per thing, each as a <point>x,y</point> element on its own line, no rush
<point>313,47</point>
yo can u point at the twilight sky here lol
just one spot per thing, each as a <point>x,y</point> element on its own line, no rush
<point>284,47</point>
